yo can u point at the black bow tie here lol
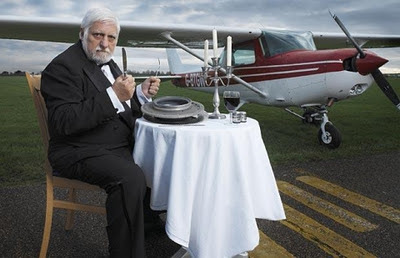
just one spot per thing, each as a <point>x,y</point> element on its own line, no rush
<point>101,65</point>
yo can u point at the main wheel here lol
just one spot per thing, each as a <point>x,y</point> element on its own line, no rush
<point>332,137</point>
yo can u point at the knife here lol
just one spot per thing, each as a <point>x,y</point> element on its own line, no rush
<point>124,62</point>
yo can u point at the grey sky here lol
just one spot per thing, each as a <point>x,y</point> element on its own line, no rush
<point>361,16</point>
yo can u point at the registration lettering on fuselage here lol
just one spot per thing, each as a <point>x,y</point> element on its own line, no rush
<point>195,80</point>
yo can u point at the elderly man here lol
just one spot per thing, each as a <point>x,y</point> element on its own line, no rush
<point>92,109</point>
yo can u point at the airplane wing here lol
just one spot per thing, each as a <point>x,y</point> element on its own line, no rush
<point>139,34</point>
<point>339,40</point>
<point>133,34</point>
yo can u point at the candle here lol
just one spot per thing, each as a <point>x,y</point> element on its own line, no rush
<point>215,42</point>
<point>229,51</point>
<point>205,53</point>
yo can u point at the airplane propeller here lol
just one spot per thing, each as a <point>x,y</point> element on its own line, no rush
<point>376,73</point>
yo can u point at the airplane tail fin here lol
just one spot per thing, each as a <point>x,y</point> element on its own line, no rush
<point>175,63</point>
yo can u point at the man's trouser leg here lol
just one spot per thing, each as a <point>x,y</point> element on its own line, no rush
<point>125,185</point>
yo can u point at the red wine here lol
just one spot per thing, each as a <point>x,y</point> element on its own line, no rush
<point>231,103</point>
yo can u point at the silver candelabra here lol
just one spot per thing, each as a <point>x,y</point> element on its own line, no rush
<point>216,79</point>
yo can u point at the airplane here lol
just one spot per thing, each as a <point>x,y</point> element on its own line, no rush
<point>270,67</point>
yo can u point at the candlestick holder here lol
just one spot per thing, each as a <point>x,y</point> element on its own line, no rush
<point>229,75</point>
<point>205,73</point>
<point>216,101</point>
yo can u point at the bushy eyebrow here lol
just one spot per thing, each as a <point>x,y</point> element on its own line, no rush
<point>102,35</point>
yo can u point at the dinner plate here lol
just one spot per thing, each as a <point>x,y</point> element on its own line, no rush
<point>172,103</point>
<point>186,120</point>
<point>173,108</point>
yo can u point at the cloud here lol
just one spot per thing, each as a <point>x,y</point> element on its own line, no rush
<point>27,55</point>
<point>360,16</point>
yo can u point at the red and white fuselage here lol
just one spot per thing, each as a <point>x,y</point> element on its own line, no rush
<point>297,77</point>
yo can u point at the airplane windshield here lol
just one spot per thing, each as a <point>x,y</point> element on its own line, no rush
<point>276,42</point>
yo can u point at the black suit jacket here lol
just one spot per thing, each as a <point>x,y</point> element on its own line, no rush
<point>81,118</point>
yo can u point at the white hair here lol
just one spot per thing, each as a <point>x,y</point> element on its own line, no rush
<point>98,14</point>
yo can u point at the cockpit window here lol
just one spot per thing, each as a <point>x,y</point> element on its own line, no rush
<point>242,54</point>
<point>276,42</point>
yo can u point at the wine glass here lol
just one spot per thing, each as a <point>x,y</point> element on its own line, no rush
<point>231,100</point>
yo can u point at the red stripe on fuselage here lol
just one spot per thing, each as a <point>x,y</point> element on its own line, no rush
<point>283,66</point>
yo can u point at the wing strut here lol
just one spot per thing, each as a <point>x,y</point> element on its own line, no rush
<point>167,35</point>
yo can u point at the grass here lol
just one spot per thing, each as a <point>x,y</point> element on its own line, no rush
<point>21,150</point>
<point>369,125</point>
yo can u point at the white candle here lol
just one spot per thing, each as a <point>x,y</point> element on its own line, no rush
<point>215,42</point>
<point>229,51</point>
<point>205,53</point>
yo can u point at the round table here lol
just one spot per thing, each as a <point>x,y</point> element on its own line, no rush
<point>214,179</point>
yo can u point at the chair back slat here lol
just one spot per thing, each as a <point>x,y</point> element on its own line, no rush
<point>40,106</point>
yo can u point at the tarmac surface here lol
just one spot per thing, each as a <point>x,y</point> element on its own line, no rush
<point>366,186</point>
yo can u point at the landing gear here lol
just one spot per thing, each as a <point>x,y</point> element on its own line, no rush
<point>328,135</point>
<point>311,116</point>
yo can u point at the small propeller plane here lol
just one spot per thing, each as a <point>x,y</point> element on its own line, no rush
<point>269,67</point>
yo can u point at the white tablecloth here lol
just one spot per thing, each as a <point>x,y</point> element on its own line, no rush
<point>214,179</point>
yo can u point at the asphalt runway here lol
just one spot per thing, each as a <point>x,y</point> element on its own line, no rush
<point>339,208</point>
<point>352,212</point>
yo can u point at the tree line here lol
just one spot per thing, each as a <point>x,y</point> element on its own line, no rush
<point>133,73</point>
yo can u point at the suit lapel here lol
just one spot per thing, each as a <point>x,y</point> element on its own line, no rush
<point>114,69</point>
<point>97,77</point>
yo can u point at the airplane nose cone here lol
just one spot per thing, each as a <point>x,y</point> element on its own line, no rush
<point>369,63</point>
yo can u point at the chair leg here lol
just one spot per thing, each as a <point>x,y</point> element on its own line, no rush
<point>69,223</point>
<point>47,223</point>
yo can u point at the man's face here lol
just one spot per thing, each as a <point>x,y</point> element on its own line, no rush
<point>100,41</point>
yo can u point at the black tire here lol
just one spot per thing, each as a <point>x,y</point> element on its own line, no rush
<point>334,137</point>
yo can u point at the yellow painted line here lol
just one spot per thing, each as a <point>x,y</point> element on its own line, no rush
<point>354,198</point>
<point>326,239</point>
<point>326,208</point>
<point>268,248</point>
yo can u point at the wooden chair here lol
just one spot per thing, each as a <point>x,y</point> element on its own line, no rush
<point>52,181</point>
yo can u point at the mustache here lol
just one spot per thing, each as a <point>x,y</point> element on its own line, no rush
<point>107,50</point>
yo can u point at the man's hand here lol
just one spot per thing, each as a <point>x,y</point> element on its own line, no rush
<point>124,87</point>
<point>151,86</point>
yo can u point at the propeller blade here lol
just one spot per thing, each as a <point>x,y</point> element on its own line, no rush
<point>341,25</point>
<point>385,87</point>
<point>377,74</point>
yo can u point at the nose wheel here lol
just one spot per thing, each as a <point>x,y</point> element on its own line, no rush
<point>330,137</point>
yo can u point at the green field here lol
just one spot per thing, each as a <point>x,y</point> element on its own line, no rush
<point>369,124</point>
